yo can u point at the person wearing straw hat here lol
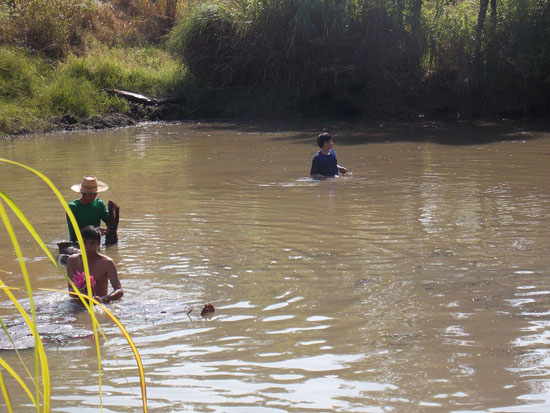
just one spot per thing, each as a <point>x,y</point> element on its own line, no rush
<point>88,209</point>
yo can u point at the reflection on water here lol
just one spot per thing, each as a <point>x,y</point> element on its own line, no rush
<point>415,283</point>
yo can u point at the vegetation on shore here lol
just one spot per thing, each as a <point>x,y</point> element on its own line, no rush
<point>270,57</point>
<point>35,93</point>
<point>363,56</point>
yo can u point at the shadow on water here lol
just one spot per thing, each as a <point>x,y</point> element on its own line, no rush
<point>360,133</point>
<point>467,133</point>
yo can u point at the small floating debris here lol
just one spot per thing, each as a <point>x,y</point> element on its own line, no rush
<point>208,310</point>
<point>362,283</point>
<point>440,252</point>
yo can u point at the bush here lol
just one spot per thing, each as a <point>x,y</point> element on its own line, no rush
<point>303,50</point>
<point>136,22</point>
<point>523,74</point>
<point>56,28</point>
<point>206,42</point>
<point>51,27</point>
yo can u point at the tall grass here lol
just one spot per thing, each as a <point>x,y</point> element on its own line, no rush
<point>138,22</point>
<point>57,28</point>
<point>449,56</point>
<point>51,27</point>
<point>521,76</point>
<point>301,49</point>
<point>19,74</point>
<point>41,397</point>
<point>372,54</point>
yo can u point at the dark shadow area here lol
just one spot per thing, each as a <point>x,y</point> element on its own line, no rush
<point>367,132</point>
<point>443,133</point>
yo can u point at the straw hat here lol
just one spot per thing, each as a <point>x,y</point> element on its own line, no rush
<point>90,185</point>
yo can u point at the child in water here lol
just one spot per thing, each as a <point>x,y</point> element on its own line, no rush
<point>102,268</point>
<point>324,163</point>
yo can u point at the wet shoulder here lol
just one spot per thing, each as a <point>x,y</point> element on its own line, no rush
<point>105,260</point>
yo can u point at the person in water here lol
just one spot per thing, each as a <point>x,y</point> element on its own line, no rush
<point>89,209</point>
<point>102,268</point>
<point>324,163</point>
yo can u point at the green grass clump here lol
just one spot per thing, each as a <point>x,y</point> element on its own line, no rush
<point>208,41</point>
<point>19,117</point>
<point>148,71</point>
<point>78,97</point>
<point>72,95</point>
<point>18,74</point>
<point>35,93</point>
<point>21,77</point>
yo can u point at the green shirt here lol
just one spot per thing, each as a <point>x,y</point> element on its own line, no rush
<point>91,214</point>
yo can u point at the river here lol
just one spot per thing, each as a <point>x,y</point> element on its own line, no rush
<point>417,282</point>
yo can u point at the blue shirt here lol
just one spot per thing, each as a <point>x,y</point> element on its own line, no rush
<point>325,165</point>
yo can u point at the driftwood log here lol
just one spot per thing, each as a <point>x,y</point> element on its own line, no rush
<point>141,99</point>
<point>111,237</point>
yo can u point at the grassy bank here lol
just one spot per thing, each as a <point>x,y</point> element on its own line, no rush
<point>229,58</point>
<point>35,92</point>
<point>57,57</point>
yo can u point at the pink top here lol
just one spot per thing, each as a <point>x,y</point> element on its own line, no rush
<point>79,280</point>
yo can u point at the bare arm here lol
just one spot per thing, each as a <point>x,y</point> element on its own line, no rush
<point>117,292</point>
<point>72,267</point>
<point>341,169</point>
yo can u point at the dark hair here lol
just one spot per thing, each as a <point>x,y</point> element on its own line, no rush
<point>322,138</point>
<point>91,232</point>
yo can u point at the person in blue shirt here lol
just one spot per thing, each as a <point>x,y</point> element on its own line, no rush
<point>324,163</point>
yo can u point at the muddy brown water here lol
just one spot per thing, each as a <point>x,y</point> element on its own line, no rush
<point>419,282</point>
